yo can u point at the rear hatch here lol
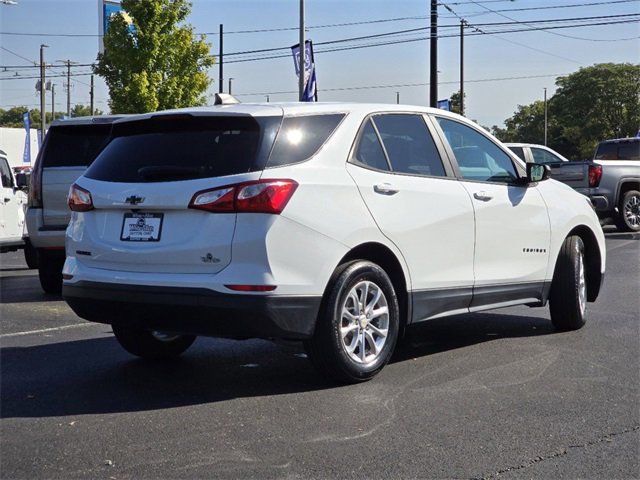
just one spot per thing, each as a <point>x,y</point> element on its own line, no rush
<point>142,183</point>
<point>69,151</point>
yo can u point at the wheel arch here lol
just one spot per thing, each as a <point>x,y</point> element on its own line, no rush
<point>592,258</point>
<point>384,257</point>
<point>626,184</point>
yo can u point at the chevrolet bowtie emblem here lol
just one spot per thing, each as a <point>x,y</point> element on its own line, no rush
<point>133,200</point>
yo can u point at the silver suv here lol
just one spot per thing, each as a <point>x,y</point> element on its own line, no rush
<point>68,149</point>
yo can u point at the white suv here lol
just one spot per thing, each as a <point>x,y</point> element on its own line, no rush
<point>335,224</point>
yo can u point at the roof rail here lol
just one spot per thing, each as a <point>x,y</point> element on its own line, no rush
<point>225,99</point>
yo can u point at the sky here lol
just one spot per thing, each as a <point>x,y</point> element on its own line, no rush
<point>543,55</point>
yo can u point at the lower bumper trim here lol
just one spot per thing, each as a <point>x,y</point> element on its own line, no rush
<point>197,311</point>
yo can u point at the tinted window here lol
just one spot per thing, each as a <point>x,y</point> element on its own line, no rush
<point>5,173</point>
<point>618,151</point>
<point>409,145</point>
<point>519,151</point>
<point>369,151</point>
<point>478,157</point>
<point>542,156</point>
<point>301,137</point>
<point>74,146</point>
<point>170,149</point>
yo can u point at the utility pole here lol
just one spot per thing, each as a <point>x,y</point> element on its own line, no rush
<point>91,95</point>
<point>43,120</point>
<point>398,98</point>
<point>220,62</point>
<point>433,82</point>
<point>302,50</point>
<point>53,102</point>
<point>69,88</point>
<point>230,78</point>
<point>461,67</point>
<point>545,117</point>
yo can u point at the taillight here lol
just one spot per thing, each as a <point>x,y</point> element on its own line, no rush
<point>34,199</point>
<point>79,199</point>
<point>595,174</point>
<point>262,196</point>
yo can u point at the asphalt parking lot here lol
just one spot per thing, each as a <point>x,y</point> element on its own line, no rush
<point>496,394</point>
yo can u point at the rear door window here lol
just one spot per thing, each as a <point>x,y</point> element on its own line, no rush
<point>519,151</point>
<point>542,156</point>
<point>169,149</point>
<point>301,137</point>
<point>369,151</point>
<point>74,145</point>
<point>409,144</point>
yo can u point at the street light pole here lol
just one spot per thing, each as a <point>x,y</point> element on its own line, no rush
<point>461,67</point>
<point>43,121</point>
<point>397,97</point>
<point>220,62</point>
<point>302,53</point>
<point>545,117</point>
<point>230,78</point>
<point>53,102</point>
<point>433,83</point>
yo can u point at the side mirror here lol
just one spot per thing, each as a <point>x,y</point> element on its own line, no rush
<point>537,172</point>
<point>22,181</point>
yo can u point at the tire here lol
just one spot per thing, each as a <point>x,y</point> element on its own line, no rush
<point>628,219</point>
<point>147,344</point>
<point>568,296</point>
<point>30,255</point>
<point>368,349</point>
<point>50,274</point>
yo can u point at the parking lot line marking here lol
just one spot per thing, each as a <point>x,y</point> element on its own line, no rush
<point>45,330</point>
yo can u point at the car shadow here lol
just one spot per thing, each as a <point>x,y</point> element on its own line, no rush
<point>94,376</point>
<point>24,289</point>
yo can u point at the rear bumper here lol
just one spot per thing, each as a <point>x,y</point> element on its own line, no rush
<point>41,235</point>
<point>197,311</point>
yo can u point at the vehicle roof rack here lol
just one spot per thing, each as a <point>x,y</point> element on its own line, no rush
<point>225,99</point>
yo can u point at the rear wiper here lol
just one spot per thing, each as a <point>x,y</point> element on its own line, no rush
<point>168,172</point>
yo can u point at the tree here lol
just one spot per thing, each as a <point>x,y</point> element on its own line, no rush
<point>593,104</point>
<point>84,111</point>
<point>596,103</point>
<point>455,101</point>
<point>154,63</point>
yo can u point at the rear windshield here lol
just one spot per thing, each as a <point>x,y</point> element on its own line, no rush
<point>169,149</point>
<point>618,151</point>
<point>74,145</point>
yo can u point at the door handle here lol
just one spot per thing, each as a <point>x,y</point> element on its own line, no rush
<point>483,196</point>
<point>385,189</point>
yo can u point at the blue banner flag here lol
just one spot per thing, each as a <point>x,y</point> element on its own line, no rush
<point>444,105</point>
<point>26,157</point>
<point>310,93</point>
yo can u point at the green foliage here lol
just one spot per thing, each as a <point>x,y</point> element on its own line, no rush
<point>593,104</point>
<point>455,101</point>
<point>13,116</point>
<point>158,64</point>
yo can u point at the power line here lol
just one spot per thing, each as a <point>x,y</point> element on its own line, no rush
<point>48,76</point>
<point>398,85</point>
<point>378,35</point>
<point>18,55</point>
<point>528,23</point>
<point>422,38</point>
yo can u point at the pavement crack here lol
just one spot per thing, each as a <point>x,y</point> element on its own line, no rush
<point>558,453</point>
